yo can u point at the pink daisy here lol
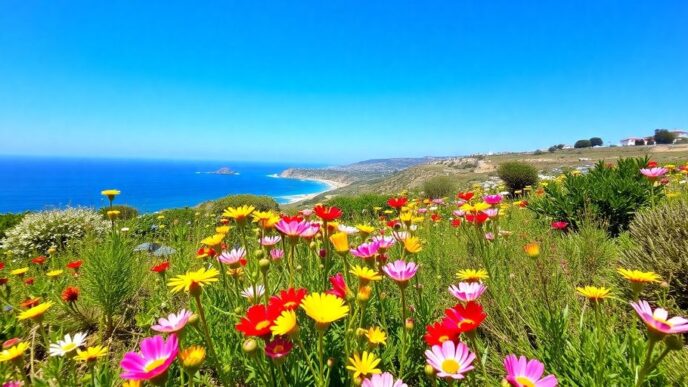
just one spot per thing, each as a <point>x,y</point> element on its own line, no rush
<point>658,321</point>
<point>383,380</point>
<point>450,360</point>
<point>152,361</point>
<point>173,323</point>
<point>521,372</point>
<point>232,257</point>
<point>467,291</point>
<point>400,271</point>
<point>365,250</point>
<point>270,240</point>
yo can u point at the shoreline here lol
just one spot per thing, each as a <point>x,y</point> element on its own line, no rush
<point>293,199</point>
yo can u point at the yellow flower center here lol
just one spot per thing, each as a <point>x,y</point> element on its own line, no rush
<point>442,339</point>
<point>525,382</point>
<point>466,321</point>
<point>262,325</point>
<point>279,348</point>
<point>154,364</point>
<point>450,366</point>
<point>290,305</point>
<point>68,347</point>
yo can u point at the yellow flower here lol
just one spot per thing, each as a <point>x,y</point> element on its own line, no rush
<point>324,308</point>
<point>364,365</point>
<point>285,324</point>
<point>405,217</point>
<point>14,352</point>
<point>54,273</point>
<point>91,354</point>
<point>365,274</point>
<point>376,336</point>
<point>239,214</point>
<point>213,241</point>
<point>340,241</point>
<point>472,275</point>
<point>265,219</point>
<point>131,383</point>
<point>20,271</point>
<point>192,357</point>
<point>412,245</point>
<point>532,249</point>
<point>639,276</point>
<point>365,228</point>
<point>222,230</point>
<point>110,193</point>
<point>112,214</point>
<point>594,293</point>
<point>193,281</point>
<point>36,312</point>
<point>482,206</point>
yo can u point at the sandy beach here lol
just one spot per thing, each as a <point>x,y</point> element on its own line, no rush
<point>331,185</point>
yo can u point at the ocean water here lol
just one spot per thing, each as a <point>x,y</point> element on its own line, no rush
<point>37,183</point>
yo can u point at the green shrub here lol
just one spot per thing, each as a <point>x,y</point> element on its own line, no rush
<point>358,205</point>
<point>439,187</point>
<point>125,212</point>
<point>660,243</point>
<point>39,231</point>
<point>517,175</point>
<point>7,221</point>
<point>261,203</point>
<point>596,141</point>
<point>582,144</point>
<point>610,196</point>
<point>663,136</point>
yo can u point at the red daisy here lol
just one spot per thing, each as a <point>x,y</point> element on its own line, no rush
<point>205,252</point>
<point>651,164</point>
<point>75,265</point>
<point>456,222</point>
<point>4,281</point>
<point>465,195</point>
<point>559,225</point>
<point>435,217</point>
<point>70,294</point>
<point>161,267</point>
<point>523,204</point>
<point>278,348</point>
<point>30,302</point>
<point>437,333</point>
<point>295,218</point>
<point>29,281</point>
<point>326,213</point>
<point>397,202</point>
<point>464,318</point>
<point>39,260</point>
<point>2,265</point>
<point>393,223</point>
<point>258,320</point>
<point>289,299</point>
<point>478,218</point>
<point>11,342</point>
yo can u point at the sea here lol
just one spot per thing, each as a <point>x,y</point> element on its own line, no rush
<point>41,183</point>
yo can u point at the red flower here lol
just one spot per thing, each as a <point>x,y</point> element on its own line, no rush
<point>464,318</point>
<point>4,281</point>
<point>397,202</point>
<point>258,320</point>
<point>456,222</point>
<point>29,281</point>
<point>2,265</point>
<point>326,213</point>
<point>70,294</point>
<point>30,302</point>
<point>393,223</point>
<point>295,218</point>
<point>478,218</point>
<point>205,252</point>
<point>465,195</point>
<point>161,267</point>
<point>39,260</point>
<point>339,287</point>
<point>278,348</point>
<point>75,265</point>
<point>651,164</point>
<point>559,225</point>
<point>11,342</point>
<point>437,333</point>
<point>435,217</point>
<point>289,299</point>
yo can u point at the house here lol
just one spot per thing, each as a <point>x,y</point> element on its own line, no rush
<point>631,141</point>
<point>680,134</point>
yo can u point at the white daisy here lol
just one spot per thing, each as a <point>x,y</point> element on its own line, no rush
<point>69,344</point>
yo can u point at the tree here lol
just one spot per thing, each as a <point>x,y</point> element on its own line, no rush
<point>560,146</point>
<point>582,144</point>
<point>552,149</point>
<point>640,141</point>
<point>596,141</point>
<point>663,136</point>
<point>517,175</point>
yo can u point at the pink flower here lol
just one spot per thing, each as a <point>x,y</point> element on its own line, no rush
<point>383,380</point>
<point>293,228</point>
<point>400,271</point>
<point>276,254</point>
<point>270,240</point>
<point>654,173</point>
<point>521,372</point>
<point>491,212</point>
<point>489,236</point>
<point>12,383</point>
<point>152,361</point>
<point>559,225</point>
<point>232,257</point>
<point>467,291</point>
<point>310,231</point>
<point>173,323</point>
<point>385,242</point>
<point>658,322</point>
<point>365,250</point>
<point>492,199</point>
<point>459,213</point>
<point>339,287</point>
<point>278,348</point>
<point>306,212</point>
<point>450,360</point>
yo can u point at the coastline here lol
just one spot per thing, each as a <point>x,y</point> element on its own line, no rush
<point>292,199</point>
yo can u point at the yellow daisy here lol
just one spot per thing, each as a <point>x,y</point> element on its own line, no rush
<point>54,273</point>
<point>91,354</point>
<point>265,219</point>
<point>365,229</point>
<point>639,276</point>
<point>594,293</point>
<point>324,308</point>
<point>192,357</point>
<point>376,336</point>
<point>193,281</point>
<point>340,241</point>
<point>285,324</point>
<point>20,271</point>
<point>14,352</point>
<point>412,245</point>
<point>110,193</point>
<point>213,241</point>
<point>365,274</point>
<point>364,364</point>
<point>36,312</point>
<point>239,214</point>
<point>222,230</point>
<point>472,275</point>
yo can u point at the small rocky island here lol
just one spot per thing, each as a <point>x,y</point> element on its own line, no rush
<point>224,171</point>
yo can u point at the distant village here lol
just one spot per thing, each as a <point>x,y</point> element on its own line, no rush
<point>678,136</point>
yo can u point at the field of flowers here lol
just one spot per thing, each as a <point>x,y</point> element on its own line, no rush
<point>479,289</point>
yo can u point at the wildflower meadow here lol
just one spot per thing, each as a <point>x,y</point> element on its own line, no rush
<point>485,287</point>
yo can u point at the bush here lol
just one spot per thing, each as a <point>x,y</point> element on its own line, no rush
<point>663,136</point>
<point>438,187</point>
<point>610,196</point>
<point>552,149</point>
<point>354,206</point>
<point>660,242</point>
<point>639,142</point>
<point>261,203</point>
<point>596,141</point>
<point>582,144</point>
<point>125,212</point>
<point>517,175</point>
<point>37,232</point>
<point>7,221</point>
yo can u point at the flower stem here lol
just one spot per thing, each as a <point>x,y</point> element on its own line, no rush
<point>645,369</point>
<point>206,332</point>
<point>402,355</point>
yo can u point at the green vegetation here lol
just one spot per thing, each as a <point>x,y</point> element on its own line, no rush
<point>664,136</point>
<point>517,175</point>
<point>582,144</point>
<point>261,203</point>
<point>7,221</point>
<point>439,187</point>
<point>360,205</point>
<point>125,212</point>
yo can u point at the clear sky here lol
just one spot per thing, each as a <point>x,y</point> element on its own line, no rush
<point>335,81</point>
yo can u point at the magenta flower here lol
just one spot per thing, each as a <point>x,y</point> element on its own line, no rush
<point>152,361</point>
<point>173,323</point>
<point>400,271</point>
<point>658,322</point>
<point>278,348</point>
<point>276,254</point>
<point>654,173</point>
<point>270,240</point>
<point>385,242</point>
<point>365,250</point>
<point>293,228</point>
<point>232,257</point>
<point>467,291</point>
<point>521,372</point>
<point>339,287</point>
<point>450,360</point>
<point>559,225</point>
<point>383,380</point>
<point>492,200</point>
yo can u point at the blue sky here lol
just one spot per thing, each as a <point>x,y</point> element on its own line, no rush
<point>335,81</point>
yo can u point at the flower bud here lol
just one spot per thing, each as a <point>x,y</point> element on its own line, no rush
<point>322,253</point>
<point>193,320</point>
<point>674,342</point>
<point>312,245</point>
<point>264,265</point>
<point>409,324</point>
<point>429,371</point>
<point>330,362</point>
<point>249,346</point>
<point>259,253</point>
